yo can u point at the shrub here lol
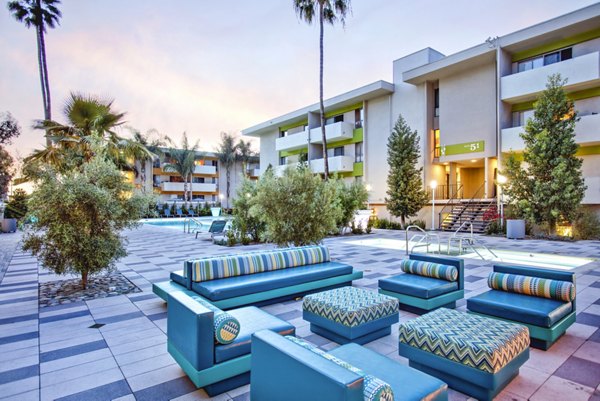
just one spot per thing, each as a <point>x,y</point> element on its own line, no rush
<point>494,228</point>
<point>587,225</point>
<point>243,220</point>
<point>369,228</point>
<point>418,223</point>
<point>387,224</point>
<point>297,208</point>
<point>355,229</point>
<point>16,207</point>
<point>79,218</point>
<point>352,197</point>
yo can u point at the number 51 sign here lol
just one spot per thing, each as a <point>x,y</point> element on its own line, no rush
<point>460,148</point>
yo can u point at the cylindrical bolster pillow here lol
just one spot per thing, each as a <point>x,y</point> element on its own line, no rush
<point>374,389</point>
<point>535,286</point>
<point>226,327</point>
<point>429,269</point>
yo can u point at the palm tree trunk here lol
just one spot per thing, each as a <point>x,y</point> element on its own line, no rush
<point>228,183</point>
<point>48,105</point>
<point>42,80</point>
<point>325,159</point>
<point>191,190</point>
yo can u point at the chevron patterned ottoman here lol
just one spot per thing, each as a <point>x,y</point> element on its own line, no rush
<point>473,354</point>
<point>350,314</point>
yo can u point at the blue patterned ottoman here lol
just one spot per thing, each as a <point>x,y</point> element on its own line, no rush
<point>473,354</point>
<point>350,314</point>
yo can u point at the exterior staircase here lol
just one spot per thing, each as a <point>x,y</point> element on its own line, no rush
<point>471,211</point>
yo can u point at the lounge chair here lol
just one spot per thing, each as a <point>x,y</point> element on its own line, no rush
<point>217,227</point>
<point>167,213</point>
<point>179,213</point>
<point>191,213</point>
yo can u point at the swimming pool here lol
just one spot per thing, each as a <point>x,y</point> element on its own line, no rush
<point>551,261</point>
<point>178,223</point>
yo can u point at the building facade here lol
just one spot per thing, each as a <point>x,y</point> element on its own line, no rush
<point>209,180</point>
<point>468,108</point>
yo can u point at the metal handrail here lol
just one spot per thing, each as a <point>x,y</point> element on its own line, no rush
<point>450,202</point>
<point>470,241</point>
<point>425,236</point>
<point>187,224</point>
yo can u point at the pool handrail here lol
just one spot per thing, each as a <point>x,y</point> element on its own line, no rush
<point>424,236</point>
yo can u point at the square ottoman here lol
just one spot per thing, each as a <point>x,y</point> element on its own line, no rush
<point>476,355</point>
<point>350,314</point>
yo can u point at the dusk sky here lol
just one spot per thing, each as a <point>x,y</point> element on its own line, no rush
<point>206,67</point>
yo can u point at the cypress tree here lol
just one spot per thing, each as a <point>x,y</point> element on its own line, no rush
<point>549,188</point>
<point>406,195</point>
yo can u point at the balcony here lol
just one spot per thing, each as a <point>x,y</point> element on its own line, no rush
<point>335,132</point>
<point>337,164</point>
<point>582,72</point>
<point>292,142</point>
<point>206,170</point>
<point>196,187</point>
<point>586,133</point>
<point>253,172</point>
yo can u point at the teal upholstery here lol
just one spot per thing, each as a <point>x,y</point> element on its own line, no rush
<point>547,319</point>
<point>226,326</point>
<point>284,370</point>
<point>420,293</point>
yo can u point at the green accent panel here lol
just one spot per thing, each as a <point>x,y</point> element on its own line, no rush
<point>588,150</point>
<point>566,42</point>
<point>584,94</point>
<point>343,110</point>
<point>290,290</point>
<point>285,153</point>
<point>427,304</point>
<point>357,136</point>
<point>293,125</point>
<point>461,148</point>
<point>214,374</point>
<point>358,170</point>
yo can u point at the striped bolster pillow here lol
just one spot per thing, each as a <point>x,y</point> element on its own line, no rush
<point>226,327</point>
<point>429,269</point>
<point>536,286</point>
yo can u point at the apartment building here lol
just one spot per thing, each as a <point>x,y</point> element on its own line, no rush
<point>468,108</point>
<point>209,181</point>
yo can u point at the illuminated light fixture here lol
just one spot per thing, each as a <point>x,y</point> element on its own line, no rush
<point>565,231</point>
<point>473,160</point>
<point>433,185</point>
<point>501,179</point>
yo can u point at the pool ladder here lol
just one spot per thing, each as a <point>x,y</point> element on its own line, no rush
<point>190,223</point>
<point>423,239</point>
<point>467,242</point>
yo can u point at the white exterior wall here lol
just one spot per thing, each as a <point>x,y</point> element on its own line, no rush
<point>268,154</point>
<point>376,130</point>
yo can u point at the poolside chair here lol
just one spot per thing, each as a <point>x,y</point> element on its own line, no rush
<point>217,227</point>
<point>179,213</point>
<point>191,213</point>
<point>167,213</point>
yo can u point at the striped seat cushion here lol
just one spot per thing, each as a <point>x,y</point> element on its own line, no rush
<point>350,306</point>
<point>226,327</point>
<point>429,269</point>
<point>257,262</point>
<point>479,342</point>
<point>374,389</point>
<point>538,287</point>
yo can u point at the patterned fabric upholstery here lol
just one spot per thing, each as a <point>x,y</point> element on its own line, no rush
<point>375,389</point>
<point>429,269</point>
<point>257,262</point>
<point>538,287</point>
<point>350,306</point>
<point>226,326</point>
<point>479,342</point>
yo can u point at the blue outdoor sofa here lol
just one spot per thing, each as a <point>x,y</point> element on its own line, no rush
<point>428,282</point>
<point>287,368</point>
<point>541,299</point>
<point>259,277</point>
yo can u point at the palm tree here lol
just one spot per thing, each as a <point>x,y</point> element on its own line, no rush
<point>182,161</point>
<point>155,143</point>
<point>91,123</point>
<point>328,11</point>
<point>40,14</point>
<point>227,154</point>
<point>245,153</point>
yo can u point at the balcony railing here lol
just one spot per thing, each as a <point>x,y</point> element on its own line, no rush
<point>292,142</point>
<point>196,187</point>
<point>337,164</point>
<point>446,192</point>
<point>339,131</point>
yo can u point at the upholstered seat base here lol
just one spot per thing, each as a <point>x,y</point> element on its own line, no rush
<point>340,339</point>
<point>421,305</point>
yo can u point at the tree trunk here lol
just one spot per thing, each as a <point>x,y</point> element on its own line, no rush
<point>48,105</point>
<point>403,221</point>
<point>84,279</point>
<point>228,184</point>
<point>42,80</point>
<point>322,107</point>
<point>191,190</point>
<point>185,191</point>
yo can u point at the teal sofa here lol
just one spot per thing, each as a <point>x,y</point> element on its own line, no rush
<point>541,299</point>
<point>428,282</point>
<point>259,277</point>
<point>285,368</point>
<point>212,346</point>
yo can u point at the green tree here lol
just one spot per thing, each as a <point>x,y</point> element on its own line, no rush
<point>352,197</point>
<point>155,143</point>
<point>182,161</point>
<point>327,11</point>
<point>406,195</point>
<point>297,208</point>
<point>549,188</point>
<point>243,220</point>
<point>9,129</point>
<point>39,14</point>
<point>16,207</point>
<point>245,154</point>
<point>79,218</point>
<point>227,152</point>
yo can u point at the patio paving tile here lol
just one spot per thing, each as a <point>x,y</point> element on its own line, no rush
<point>580,371</point>
<point>106,392</point>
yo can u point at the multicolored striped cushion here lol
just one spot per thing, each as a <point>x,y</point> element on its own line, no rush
<point>429,269</point>
<point>226,326</point>
<point>250,263</point>
<point>538,287</point>
<point>374,389</point>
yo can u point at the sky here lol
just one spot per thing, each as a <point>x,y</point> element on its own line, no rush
<point>221,66</point>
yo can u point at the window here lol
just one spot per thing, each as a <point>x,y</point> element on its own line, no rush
<point>282,161</point>
<point>198,180</point>
<point>520,117</point>
<point>358,118</point>
<point>436,102</point>
<point>283,134</point>
<point>436,143</point>
<point>358,152</point>
<point>303,157</point>
<point>545,59</point>
<point>339,151</point>
<point>334,119</point>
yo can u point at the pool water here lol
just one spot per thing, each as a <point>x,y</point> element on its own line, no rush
<point>551,261</point>
<point>198,223</point>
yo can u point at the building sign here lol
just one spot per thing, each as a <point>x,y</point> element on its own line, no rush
<point>460,148</point>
